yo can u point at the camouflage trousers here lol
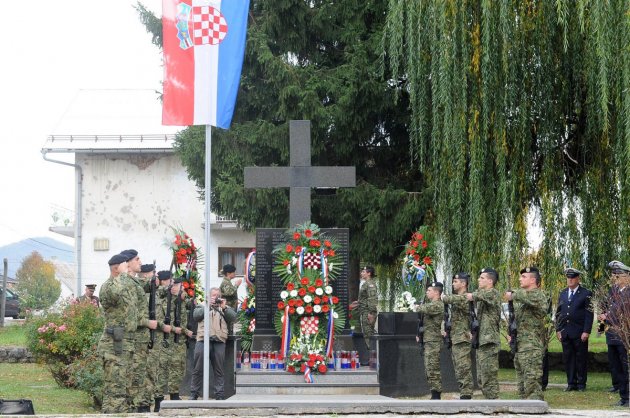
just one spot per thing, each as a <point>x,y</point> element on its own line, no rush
<point>432,364</point>
<point>488,370</point>
<point>529,370</point>
<point>115,371</point>
<point>161,366</point>
<point>153,364</point>
<point>140,390</point>
<point>463,367</point>
<point>367,329</point>
<point>177,365</point>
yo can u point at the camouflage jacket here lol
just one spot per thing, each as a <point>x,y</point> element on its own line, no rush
<point>368,298</point>
<point>142,331</point>
<point>460,318</point>
<point>433,315</point>
<point>118,303</point>
<point>183,317</point>
<point>488,303</point>
<point>229,292</point>
<point>530,310</point>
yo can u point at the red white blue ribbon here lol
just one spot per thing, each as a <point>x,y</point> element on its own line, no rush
<point>286,334</point>
<point>308,376</point>
<point>330,332</point>
<point>300,263</point>
<point>248,267</point>
<point>324,262</point>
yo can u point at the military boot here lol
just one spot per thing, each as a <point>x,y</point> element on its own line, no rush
<point>436,395</point>
<point>175,396</point>
<point>158,401</point>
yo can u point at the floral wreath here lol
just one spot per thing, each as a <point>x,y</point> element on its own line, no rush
<point>309,314</point>
<point>417,264</point>
<point>186,258</point>
<point>247,318</point>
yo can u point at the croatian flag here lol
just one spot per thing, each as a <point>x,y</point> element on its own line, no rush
<point>204,44</point>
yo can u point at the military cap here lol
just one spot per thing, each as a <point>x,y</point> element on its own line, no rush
<point>369,269</point>
<point>145,268</point>
<point>228,268</point>
<point>572,273</point>
<point>531,269</point>
<point>91,286</point>
<point>129,254</point>
<point>462,276</point>
<point>618,265</point>
<point>437,284</point>
<point>177,279</point>
<point>117,259</point>
<point>164,275</point>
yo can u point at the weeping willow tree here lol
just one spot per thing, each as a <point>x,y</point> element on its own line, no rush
<point>519,108</point>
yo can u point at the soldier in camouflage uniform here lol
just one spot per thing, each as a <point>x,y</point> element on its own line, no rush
<point>488,306</point>
<point>119,309</point>
<point>433,311</point>
<point>140,391</point>
<point>367,304</point>
<point>530,309</point>
<point>177,363</point>
<point>159,359</point>
<point>460,334</point>
<point>229,290</point>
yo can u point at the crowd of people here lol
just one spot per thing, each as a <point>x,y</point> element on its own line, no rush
<point>472,320</point>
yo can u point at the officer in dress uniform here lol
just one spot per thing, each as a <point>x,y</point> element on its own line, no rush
<point>574,320</point>
<point>89,295</point>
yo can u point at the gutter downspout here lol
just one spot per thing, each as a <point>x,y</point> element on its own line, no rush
<point>78,217</point>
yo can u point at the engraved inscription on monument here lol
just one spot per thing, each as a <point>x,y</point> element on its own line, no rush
<point>269,285</point>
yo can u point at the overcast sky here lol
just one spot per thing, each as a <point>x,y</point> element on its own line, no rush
<point>51,49</point>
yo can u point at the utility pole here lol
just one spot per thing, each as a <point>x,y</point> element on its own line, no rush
<point>3,298</point>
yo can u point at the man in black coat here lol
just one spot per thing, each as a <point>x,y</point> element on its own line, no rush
<point>574,320</point>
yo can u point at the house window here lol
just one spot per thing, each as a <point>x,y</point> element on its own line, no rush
<point>234,256</point>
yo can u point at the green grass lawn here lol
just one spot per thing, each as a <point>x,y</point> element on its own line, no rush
<point>13,335</point>
<point>34,382</point>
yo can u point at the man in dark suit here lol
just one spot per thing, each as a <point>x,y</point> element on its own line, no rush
<point>574,320</point>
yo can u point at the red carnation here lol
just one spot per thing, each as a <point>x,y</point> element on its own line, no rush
<point>281,305</point>
<point>325,308</point>
<point>291,302</point>
<point>335,300</point>
<point>424,244</point>
<point>327,244</point>
<point>322,368</point>
<point>311,363</point>
<point>289,248</point>
<point>319,282</point>
<point>312,356</point>
<point>285,262</point>
<point>186,285</point>
<point>296,236</point>
<point>302,292</point>
<point>325,299</point>
<point>319,357</point>
<point>291,311</point>
<point>299,302</point>
<point>302,367</point>
<point>326,253</point>
<point>290,287</point>
<point>311,289</point>
<point>317,300</point>
<point>427,260</point>
<point>414,244</point>
<point>308,233</point>
<point>331,253</point>
<point>416,257</point>
<point>304,280</point>
<point>298,249</point>
<point>191,293</point>
<point>314,243</point>
<point>309,309</point>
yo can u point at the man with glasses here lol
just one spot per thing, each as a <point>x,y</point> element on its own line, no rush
<point>574,320</point>
<point>615,311</point>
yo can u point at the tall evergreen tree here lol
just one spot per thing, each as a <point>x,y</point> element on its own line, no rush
<point>520,107</point>
<point>317,60</point>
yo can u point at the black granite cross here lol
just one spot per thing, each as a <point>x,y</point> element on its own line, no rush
<point>300,176</point>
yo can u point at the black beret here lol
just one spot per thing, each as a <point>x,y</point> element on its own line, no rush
<point>129,254</point>
<point>228,268</point>
<point>91,286</point>
<point>164,275</point>
<point>117,259</point>
<point>437,284</point>
<point>177,279</point>
<point>531,269</point>
<point>369,269</point>
<point>462,276</point>
<point>145,268</point>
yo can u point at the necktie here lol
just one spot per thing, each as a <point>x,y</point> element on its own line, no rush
<point>570,295</point>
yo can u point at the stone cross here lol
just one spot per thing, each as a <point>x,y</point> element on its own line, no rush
<point>300,176</point>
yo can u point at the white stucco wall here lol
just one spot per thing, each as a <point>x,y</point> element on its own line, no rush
<point>132,200</point>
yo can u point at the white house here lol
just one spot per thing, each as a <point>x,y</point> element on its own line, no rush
<point>131,188</point>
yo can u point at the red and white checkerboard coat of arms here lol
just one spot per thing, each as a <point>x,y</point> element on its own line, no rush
<point>208,25</point>
<point>312,261</point>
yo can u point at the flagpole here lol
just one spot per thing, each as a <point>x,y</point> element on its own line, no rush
<point>206,311</point>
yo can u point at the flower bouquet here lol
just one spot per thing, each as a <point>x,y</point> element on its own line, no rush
<point>186,259</point>
<point>417,265</point>
<point>308,313</point>
<point>247,319</point>
<point>405,302</point>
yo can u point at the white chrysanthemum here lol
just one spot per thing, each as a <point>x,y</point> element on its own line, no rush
<point>308,299</point>
<point>328,290</point>
<point>293,293</point>
<point>317,308</point>
<point>330,267</point>
<point>300,310</point>
<point>294,260</point>
<point>335,315</point>
<point>284,294</point>
<point>319,291</point>
<point>406,295</point>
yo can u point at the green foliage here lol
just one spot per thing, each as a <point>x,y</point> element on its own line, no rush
<point>86,374</point>
<point>59,339</point>
<point>247,314</point>
<point>37,286</point>
<point>519,109</point>
<point>316,61</point>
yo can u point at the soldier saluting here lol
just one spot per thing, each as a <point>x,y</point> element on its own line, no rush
<point>367,304</point>
<point>433,311</point>
<point>530,308</point>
